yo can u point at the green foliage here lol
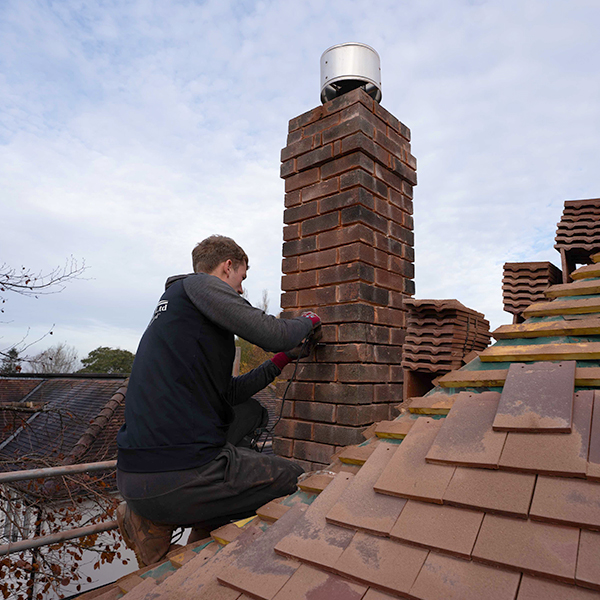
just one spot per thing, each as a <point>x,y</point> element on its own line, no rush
<point>107,360</point>
<point>11,363</point>
<point>252,356</point>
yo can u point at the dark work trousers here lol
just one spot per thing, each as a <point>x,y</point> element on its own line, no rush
<point>230,487</point>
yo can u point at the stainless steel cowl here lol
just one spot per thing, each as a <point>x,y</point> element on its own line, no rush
<point>345,67</point>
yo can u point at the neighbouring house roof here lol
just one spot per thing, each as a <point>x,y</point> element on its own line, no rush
<point>487,487</point>
<point>49,418</point>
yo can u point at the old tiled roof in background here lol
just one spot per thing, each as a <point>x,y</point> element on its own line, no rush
<point>61,413</point>
<point>487,487</point>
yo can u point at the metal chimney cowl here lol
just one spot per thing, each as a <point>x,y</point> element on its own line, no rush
<point>345,67</point>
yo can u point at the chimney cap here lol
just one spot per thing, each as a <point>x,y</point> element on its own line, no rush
<point>345,67</point>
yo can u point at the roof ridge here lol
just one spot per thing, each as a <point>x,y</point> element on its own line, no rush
<point>96,426</point>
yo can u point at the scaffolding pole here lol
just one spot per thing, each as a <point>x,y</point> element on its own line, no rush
<point>55,538</point>
<point>10,476</point>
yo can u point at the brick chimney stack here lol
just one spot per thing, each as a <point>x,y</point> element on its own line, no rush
<point>347,254</point>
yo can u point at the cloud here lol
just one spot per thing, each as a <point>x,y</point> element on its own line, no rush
<point>130,131</point>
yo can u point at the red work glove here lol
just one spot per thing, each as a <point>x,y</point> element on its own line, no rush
<point>316,321</point>
<point>302,350</point>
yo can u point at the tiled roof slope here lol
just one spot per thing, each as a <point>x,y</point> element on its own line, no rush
<point>500,499</point>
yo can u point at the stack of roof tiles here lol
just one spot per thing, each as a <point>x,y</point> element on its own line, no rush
<point>524,283</point>
<point>500,499</point>
<point>578,232</point>
<point>440,333</point>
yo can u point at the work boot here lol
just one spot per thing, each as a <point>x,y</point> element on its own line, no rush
<point>150,541</point>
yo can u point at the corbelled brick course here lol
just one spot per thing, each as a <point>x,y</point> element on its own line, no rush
<point>348,254</point>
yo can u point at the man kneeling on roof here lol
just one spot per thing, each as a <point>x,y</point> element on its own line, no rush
<point>185,456</point>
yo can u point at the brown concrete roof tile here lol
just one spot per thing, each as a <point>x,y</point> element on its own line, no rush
<point>537,352</point>
<point>408,475</point>
<point>382,563</point>
<point>567,501</point>
<point>213,590</point>
<point>537,397</point>
<point>588,561</point>
<point>586,271</point>
<point>535,588</point>
<point>447,528</point>
<point>446,578</point>
<point>593,466</point>
<point>357,455</point>
<point>258,571</point>
<point>360,507</point>
<point>434,404</point>
<point>312,539</point>
<point>188,581</point>
<point>397,429</point>
<point>576,288</point>
<point>272,511</point>
<point>563,307</point>
<point>585,326</point>
<point>466,437</point>
<point>310,583</point>
<point>529,546</point>
<point>315,483</point>
<point>226,534</point>
<point>373,594</point>
<point>492,491</point>
<point>553,453</point>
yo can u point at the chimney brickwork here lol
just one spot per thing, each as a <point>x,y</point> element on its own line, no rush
<point>348,255</point>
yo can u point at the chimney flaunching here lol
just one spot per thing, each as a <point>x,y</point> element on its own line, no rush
<point>347,254</point>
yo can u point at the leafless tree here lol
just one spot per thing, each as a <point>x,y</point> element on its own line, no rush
<point>26,282</point>
<point>60,358</point>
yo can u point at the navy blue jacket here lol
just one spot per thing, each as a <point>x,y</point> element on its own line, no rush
<point>180,393</point>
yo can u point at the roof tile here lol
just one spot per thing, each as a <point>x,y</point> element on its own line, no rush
<point>312,539</point>
<point>466,437</point>
<point>537,397</point>
<point>567,501</point>
<point>259,571</point>
<point>588,561</point>
<point>382,563</point>
<point>447,528</point>
<point>360,507</point>
<point>593,467</point>
<point>446,578</point>
<point>308,582</point>
<point>408,474</point>
<point>492,491</point>
<point>188,581</point>
<point>553,453</point>
<point>528,546</point>
<point>534,588</point>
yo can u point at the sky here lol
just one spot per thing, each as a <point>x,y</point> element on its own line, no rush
<point>130,131</point>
